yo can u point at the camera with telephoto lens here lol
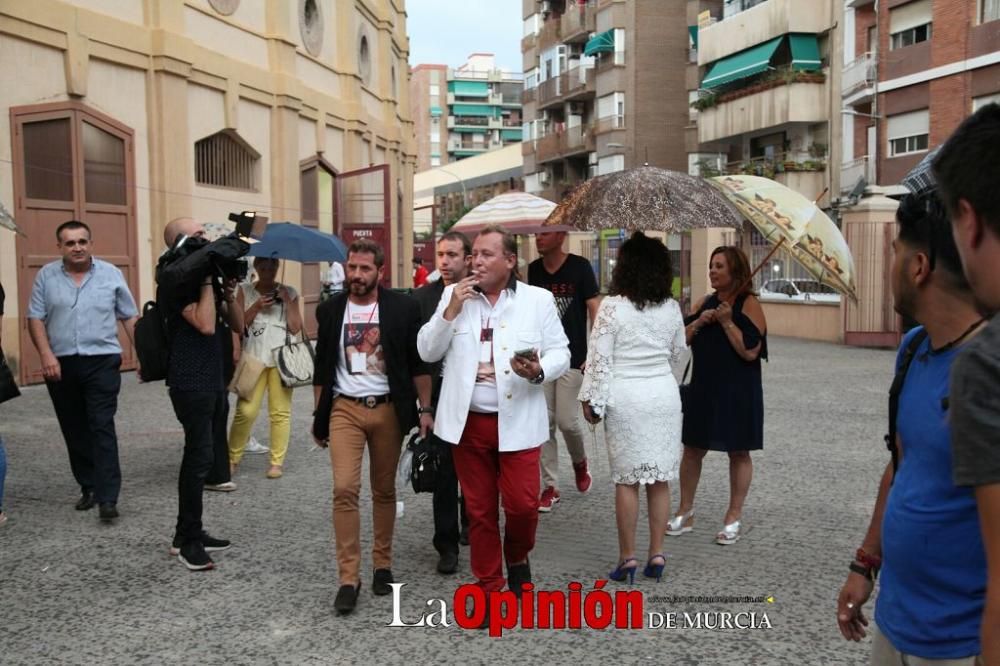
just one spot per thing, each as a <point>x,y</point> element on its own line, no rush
<point>192,260</point>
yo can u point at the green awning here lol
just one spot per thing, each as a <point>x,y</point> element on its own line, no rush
<point>741,65</point>
<point>603,42</point>
<point>435,111</point>
<point>693,31</point>
<point>469,88</point>
<point>805,52</point>
<point>464,109</point>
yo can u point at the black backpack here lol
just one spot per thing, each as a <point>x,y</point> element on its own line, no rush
<point>152,343</point>
<point>896,389</point>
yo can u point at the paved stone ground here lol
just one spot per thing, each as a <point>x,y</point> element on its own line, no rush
<point>75,591</point>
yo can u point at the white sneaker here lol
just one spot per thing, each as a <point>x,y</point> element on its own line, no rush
<point>226,487</point>
<point>253,446</point>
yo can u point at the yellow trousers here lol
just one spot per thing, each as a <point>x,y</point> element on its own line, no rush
<point>279,404</point>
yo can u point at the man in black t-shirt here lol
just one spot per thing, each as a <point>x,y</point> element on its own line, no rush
<point>196,378</point>
<point>571,280</point>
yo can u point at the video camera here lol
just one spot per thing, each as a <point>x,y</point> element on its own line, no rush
<point>191,259</point>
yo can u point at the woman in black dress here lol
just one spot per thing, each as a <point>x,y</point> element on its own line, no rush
<point>724,403</point>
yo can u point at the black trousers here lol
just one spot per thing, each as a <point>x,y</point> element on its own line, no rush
<point>448,507</point>
<point>86,400</point>
<point>200,413</point>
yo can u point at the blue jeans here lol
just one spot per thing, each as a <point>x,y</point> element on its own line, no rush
<point>3,470</point>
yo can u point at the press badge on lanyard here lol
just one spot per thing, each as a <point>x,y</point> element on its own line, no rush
<point>486,345</point>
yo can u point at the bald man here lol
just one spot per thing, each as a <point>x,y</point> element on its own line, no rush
<point>200,341</point>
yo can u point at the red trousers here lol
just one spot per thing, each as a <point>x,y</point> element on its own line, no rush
<point>487,475</point>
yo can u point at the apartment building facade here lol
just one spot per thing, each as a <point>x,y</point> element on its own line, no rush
<point>465,111</point>
<point>913,69</point>
<point>603,89</point>
<point>127,115</point>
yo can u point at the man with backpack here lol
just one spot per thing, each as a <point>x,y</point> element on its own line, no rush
<point>924,533</point>
<point>197,314</point>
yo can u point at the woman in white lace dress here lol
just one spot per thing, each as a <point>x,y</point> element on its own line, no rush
<point>629,384</point>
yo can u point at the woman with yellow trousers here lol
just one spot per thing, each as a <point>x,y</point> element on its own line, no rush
<point>271,308</point>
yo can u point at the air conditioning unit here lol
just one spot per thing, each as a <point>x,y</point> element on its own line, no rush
<point>546,7</point>
<point>577,108</point>
<point>544,178</point>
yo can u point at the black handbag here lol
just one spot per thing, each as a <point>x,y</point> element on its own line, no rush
<point>8,387</point>
<point>425,464</point>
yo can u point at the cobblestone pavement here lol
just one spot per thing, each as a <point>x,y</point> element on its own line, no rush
<point>76,591</point>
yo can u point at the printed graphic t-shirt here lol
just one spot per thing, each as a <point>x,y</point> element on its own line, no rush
<point>572,286</point>
<point>361,368</point>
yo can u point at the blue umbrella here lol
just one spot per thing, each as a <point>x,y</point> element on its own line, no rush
<point>286,240</point>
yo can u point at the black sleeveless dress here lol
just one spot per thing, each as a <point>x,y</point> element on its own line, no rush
<point>724,403</point>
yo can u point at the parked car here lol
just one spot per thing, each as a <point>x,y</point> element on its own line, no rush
<point>793,289</point>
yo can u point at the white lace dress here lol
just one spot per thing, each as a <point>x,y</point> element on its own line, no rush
<point>629,383</point>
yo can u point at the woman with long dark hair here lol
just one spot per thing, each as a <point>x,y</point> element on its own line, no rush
<point>724,403</point>
<point>639,330</point>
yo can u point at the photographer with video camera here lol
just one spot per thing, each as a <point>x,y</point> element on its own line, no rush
<point>195,288</point>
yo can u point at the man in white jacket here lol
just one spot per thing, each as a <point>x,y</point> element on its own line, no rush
<point>500,339</point>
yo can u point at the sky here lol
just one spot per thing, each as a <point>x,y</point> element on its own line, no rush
<point>446,31</point>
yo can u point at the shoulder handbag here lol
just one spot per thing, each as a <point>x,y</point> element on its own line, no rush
<point>8,387</point>
<point>424,463</point>
<point>296,362</point>
<point>246,375</point>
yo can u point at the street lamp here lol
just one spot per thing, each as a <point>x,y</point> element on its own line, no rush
<point>461,182</point>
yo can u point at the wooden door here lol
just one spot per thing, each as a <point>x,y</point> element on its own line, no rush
<point>71,162</point>
<point>364,210</point>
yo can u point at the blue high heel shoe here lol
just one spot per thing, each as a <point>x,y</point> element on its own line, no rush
<point>654,570</point>
<point>622,571</point>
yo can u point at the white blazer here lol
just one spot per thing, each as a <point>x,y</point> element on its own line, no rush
<point>528,319</point>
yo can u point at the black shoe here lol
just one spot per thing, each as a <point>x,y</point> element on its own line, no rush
<point>194,557</point>
<point>208,542</point>
<point>518,575</point>
<point>108,511</point>
<point>347,598</point>
<point>86,501</point>
<point>463,537</point>
<point>380,582</point>
<point>447,563</point>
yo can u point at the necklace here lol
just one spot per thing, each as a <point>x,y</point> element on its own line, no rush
<point>956,341</point>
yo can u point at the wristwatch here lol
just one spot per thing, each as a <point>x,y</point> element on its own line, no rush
<point>539,379</point>
<point>426,410</point>
<point>869,572</point>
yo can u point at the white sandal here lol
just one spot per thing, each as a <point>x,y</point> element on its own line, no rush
<point>729,534</point>
<point>676,526</point>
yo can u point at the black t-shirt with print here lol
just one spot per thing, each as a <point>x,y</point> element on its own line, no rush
<point>572,286</point>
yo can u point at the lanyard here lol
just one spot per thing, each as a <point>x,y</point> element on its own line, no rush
<point>350,324</point>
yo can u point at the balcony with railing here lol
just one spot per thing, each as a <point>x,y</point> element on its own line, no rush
<point>550,34</point>
<point>758,22</point>
<point>578,21</point>
<point>565,143</point>
<point>858,79</point>
<point>549,92</point>
<point>850,172</point>
<point>609,124</point>
<point>607,61</point>
<point>468,121</point>
<point>529,42</point>
<point>783,97</point>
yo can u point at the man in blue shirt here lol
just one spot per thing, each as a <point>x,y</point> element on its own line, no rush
<point>924,532</point>
<point>73,316</point>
